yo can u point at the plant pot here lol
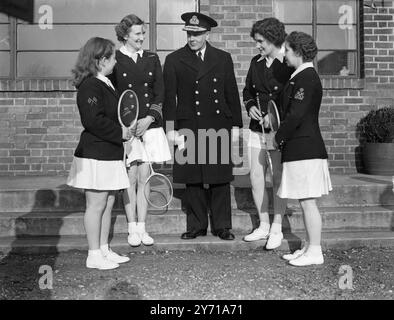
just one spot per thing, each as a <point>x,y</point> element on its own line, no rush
<point>379,158</point>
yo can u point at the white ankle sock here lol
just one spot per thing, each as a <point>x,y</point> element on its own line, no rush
<point>276,228</point>
<point>314,250</point>
<point>132,226</point>
<point>94,253</point>
<point>141,227</point>
<point>104,248</point>
<point>264,226</point>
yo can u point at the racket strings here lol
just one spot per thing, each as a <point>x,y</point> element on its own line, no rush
<point>158,191</point>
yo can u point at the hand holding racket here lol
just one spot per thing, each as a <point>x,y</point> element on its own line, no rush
<point>158,189</point>
<point>128,108</point>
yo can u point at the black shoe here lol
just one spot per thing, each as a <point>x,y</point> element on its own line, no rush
<point>193,234</point>
<point>225,234</point>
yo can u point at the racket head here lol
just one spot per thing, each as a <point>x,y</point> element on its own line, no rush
<point>158,190</point>
<point>128,108</point>
<point>273,115</point>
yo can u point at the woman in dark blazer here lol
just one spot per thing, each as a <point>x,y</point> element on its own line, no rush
<point>140,71</point>
<point>98,166</point>
<point>305,167</point>
<point>267,75</point>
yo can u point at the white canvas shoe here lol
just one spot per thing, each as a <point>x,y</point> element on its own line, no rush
<point>294,255</point>
<point>257,234</point>
<point>100,262</point>
<point>134,239</point>
<point>307,260</point>
<point>146,239</point>
<point>114,257</point>
<point>274,241</point>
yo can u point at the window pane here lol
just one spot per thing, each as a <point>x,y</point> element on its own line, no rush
<point>64,37</point>
<point>4,37</point>
<point>302,28</point>
<point>77,11</point>
<point>162,56</point>
<point>336,11</point>
<point>46,64</point>
<point>341,63</point>
<point>293,11</point>
<point>5,64</point>
<point>332,37</point>
<point>171,11</point>
<point>170,37</point>
<point>3,18</point>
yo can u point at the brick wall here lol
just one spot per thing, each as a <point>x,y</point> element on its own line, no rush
<point>40,126</point>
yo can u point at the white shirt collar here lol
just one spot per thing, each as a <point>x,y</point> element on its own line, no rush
<point>133,56</point>
<point>202,52</point>
<point>302,68</point>
<point>104,79</point>
<point>280,56</point>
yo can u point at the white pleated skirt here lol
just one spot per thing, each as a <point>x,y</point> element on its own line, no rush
<point>153,147</point>
<point>98,174</point>
<point>259,140</point>
<point>305,179</point>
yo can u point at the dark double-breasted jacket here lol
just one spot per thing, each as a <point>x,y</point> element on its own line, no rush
<point>144,77</point>
<point>200,96</point>
<point>266,83</point>
<point>101,138</point>
<point>299,135</point>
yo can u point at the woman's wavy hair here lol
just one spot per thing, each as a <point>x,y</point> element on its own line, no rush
<point>302,44</point>
<point>122,29</point>
<point>271,29</point>
<point>89,56</point>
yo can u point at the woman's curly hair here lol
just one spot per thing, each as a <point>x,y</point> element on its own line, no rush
<point>122,29</point>
<point>302,44</point>
<point>89,56</point>
<point>271,29</point>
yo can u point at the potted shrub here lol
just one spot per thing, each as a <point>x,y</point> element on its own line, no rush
<point>376,132</point>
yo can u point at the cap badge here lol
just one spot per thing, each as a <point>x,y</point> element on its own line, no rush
<point>194,20</point>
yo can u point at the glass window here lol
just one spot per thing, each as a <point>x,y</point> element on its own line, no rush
<point>293,11</point>
<point>333,24</point>
<point>5,56</point>
<point>48,48</point>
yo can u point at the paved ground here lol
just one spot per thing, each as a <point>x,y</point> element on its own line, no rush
<point>197,275</point>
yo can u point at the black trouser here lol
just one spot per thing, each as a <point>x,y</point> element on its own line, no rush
<point>217,198</point>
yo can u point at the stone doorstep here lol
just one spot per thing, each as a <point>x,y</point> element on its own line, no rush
<point>63,198</point>
<point>173,222</point>
<point>330,240</point>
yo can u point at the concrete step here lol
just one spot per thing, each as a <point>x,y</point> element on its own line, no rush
<point>292,241</point>
<point>63,223</point>
<point>51,194</point>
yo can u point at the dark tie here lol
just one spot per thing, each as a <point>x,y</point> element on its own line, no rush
<point>200,55</point>
<point>138,58</point>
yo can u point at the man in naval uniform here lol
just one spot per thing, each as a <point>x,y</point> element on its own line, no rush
<point>201,96</point>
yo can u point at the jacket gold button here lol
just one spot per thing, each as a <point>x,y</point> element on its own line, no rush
<point>215,80</point>
<point>150,73</point>
<point>197,82</point>
<point>276,88</point>
<point>216,101</point>
<point>197,92</point>
<point>217,111</point>
<point>145,84</point>
<point>197,103</point>
<point>215,91</point>
<point>124,74</point>
<point>198,113</point>
<point>146,95</point>
<point>130,85</point>
<point>147,104</point>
